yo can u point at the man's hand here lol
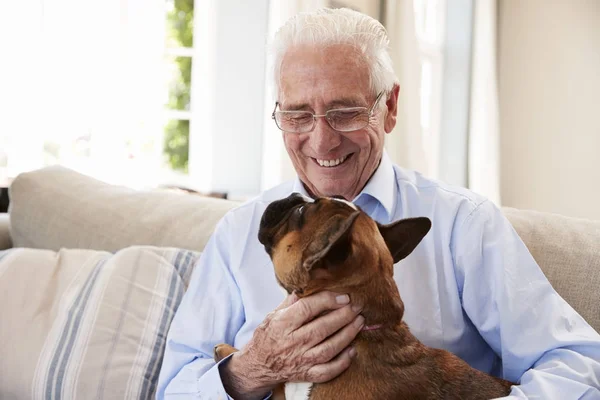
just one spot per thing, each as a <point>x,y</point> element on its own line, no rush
<point>295,343</point>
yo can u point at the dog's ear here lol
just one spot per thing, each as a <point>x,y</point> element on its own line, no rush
<point>402,236</point>
<point>331,243</point>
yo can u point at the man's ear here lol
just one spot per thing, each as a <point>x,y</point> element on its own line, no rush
<point>402,236</point>
<point>336,234</point>
<point>391,104</point>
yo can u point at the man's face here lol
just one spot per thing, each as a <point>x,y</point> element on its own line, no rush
<point>318,80</point>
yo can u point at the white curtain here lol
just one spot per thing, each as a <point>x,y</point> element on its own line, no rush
<point>83,79</point>
<point>405,144</point>
<point>408,145</point>
<point>484,168</point>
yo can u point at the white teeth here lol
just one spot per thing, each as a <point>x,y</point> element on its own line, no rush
<point>331,163</point>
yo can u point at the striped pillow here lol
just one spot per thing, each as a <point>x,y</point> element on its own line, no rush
<point>85,324</point>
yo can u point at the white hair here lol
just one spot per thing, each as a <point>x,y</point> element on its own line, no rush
<point>327,27</point>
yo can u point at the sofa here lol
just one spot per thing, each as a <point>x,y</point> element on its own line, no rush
<point>91,275</point>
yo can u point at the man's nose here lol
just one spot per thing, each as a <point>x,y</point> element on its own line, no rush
<point>324,138</point>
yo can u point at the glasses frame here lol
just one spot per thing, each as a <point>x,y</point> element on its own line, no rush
<point>315,116</point>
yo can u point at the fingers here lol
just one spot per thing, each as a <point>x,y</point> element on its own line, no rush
<point>325,372</point>
<point>282,346</point>
<point>321,328</point>
<point>332,346</point>
<point>311,306</point>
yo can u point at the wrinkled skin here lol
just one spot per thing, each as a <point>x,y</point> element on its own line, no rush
<point>318,80</point>
<point>290,345</point>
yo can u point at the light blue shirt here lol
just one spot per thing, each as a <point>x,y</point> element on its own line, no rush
<point>471,287</point>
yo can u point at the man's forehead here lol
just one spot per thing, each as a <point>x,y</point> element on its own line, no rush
<point>310,102</point>
<point>329,76</point>
<point>332,93</point>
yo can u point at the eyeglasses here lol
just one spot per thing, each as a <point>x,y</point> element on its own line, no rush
<point>340,119</point>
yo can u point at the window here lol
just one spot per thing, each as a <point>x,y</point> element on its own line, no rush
<point>112,101</point>
<point>178,61</point>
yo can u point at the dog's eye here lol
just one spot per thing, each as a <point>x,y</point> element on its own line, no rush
<point>300,209</point>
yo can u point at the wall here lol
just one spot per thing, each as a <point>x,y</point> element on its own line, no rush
<point>549,88</point>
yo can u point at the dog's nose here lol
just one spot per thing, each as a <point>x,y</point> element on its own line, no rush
<point>274,214</point>
<point>277,209</point>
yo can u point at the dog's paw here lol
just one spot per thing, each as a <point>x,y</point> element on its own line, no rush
<point>222,350</point>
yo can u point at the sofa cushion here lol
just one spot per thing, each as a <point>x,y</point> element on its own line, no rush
<point>56,207</point>
<point>83,324</point>
<point>568,251</point>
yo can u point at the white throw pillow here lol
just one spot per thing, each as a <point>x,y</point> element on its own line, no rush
<point>83,324</point>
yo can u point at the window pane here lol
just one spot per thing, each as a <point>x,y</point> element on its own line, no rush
<point>176,145</point>
<point>179,82</point>
<point>180,23</point>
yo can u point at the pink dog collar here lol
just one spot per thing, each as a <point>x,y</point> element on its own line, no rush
<point>371,327</point>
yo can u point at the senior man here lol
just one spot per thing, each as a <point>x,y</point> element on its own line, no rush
<point>470,287</point>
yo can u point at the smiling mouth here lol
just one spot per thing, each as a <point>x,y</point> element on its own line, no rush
<point>332,163</point>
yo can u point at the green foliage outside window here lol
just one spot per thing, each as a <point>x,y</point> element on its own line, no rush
<point>180,28</point>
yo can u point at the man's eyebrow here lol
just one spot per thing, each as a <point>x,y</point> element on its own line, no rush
<point>337,103</point>
<point>346,102</point>
<point>294,106</point>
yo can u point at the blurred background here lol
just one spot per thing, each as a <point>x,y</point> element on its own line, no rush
<point>501,96</point>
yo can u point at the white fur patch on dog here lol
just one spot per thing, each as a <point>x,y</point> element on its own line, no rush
<point>297,390</point>
<point>346,202</point>
<point>307,199</point>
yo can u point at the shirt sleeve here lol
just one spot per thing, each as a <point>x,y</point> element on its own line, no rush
<point>545,345</point>
<point>211,312</point>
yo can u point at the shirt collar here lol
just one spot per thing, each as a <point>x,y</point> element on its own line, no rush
<point>381,187</point>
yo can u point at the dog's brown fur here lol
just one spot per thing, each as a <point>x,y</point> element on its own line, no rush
<point>327,245</point>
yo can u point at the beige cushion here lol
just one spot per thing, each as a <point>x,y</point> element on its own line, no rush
<point>55,208</point>
<point>87,324</point>
<point>568,251</point>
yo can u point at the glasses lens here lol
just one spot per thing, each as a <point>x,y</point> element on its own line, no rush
<point>294,121</point>
<point>348,119</point>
